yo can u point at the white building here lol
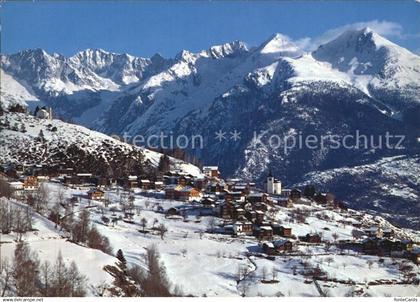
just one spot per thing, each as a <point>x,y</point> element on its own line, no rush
<point>211,171</point>
<point>44,113</point>
<point>273,185</point>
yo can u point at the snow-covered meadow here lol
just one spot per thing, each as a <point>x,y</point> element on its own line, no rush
<point>211,264</point>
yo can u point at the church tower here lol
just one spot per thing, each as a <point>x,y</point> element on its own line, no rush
<point>270,183</point>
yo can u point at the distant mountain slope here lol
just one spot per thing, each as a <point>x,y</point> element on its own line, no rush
<point>30,140</point>
<point>390,186</point>
<point>381,68</point>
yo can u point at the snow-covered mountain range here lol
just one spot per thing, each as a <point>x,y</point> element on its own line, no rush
<point>359,81</point>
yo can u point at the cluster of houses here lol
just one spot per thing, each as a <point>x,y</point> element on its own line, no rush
<point>381,241</point>
<point>244,209</point>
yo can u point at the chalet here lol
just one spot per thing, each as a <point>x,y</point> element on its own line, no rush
<point>229,229</point>
<point>238,212</point>
<point>286,231</point>
<point>208,202</point>
<point>255,197</point>
<point>171,191</point>
<point>132,182</point>
<point>170,179</point>
<point>64,171</point>
<point>247,228</point>
<point>265,233</point>
<point>276,228</point>
<point>311,238</point>
<point>415,255</point>
<point>188,194</point>
<point>17,188</point>
<point>215,187</point>
<point>30,183</point>
<point>237,227</point>
<point>233,196</point>
<point>159,185</point>
<point>183,180</point>
<point>285,193</point>
<point>406,245</point>
<point>259,206</point>
<point>295,195</point>
<point>95,194</point>
<point>251,215</point>
<point>330,199</point>
<point>374,245</point>
<point>282,245</point>
<point>42,178</point>
<point>268,248</point>
<point>184,193</point>
<point>102,182</point>
<point>370,246</point>
<point>242,228</point>
<point>387,233</point>
<point>231,182</point>
<point>211,171</point>
<point>241,187</point>
<point>227,210</point>
<point>145,184</point>
<point>285,202</point>
<point>260,217</point>
<point>200,183</point>
<point>172,212</point>
<point>85,178</point>
<point>373,232</point>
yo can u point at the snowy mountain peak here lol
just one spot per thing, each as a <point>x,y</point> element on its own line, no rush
<point>228,49</point>
<point>280,45</point>
<point>362,51</point>
<point>184,55</point>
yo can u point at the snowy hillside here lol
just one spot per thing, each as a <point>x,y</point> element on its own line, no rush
<point>224,265</point>
<point>29,140</point>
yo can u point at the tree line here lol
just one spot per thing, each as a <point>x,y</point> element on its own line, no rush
<point>26,276</point>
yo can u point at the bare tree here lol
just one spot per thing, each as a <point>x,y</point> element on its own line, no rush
<point>6,272</point>
<point>264,273</point>
<point>162,230</point>
<point>147,203</point>
<point>46,272</point>
<point>42,196</point>
<point>61,196</point>
<point>77,281</point>
<point>25,271</point>
<point>243,288</point>
<point>143,223</point>
<point>183,252</point>
<point>329,260</point>
<point>212,224</point>
<point>274,273</point>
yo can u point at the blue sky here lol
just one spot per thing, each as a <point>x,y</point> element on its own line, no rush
<point>143,28</point>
